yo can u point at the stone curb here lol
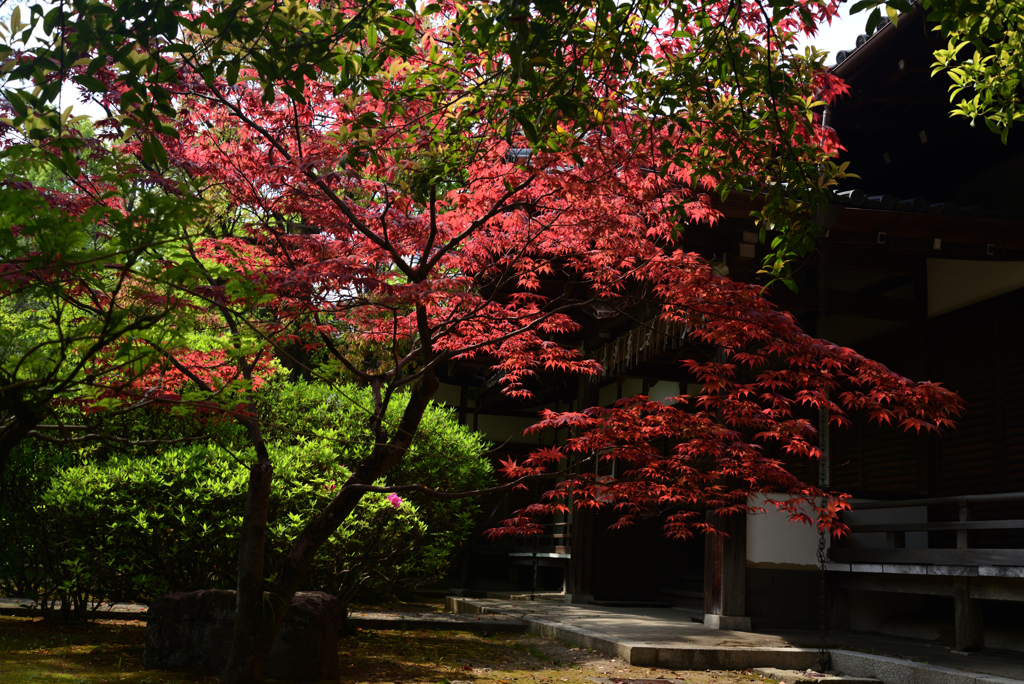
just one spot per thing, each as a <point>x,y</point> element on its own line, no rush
<point>440,621</point>
<point>452,626</point>
<point>898,671</point>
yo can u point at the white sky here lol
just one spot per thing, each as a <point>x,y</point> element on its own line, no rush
<point>840,35</point>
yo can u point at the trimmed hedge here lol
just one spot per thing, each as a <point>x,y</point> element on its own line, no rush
<point>137,525</point>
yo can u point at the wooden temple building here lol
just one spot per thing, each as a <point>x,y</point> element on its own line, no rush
<point>923,271</point>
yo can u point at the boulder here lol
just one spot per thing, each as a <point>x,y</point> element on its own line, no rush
<point>192,631</point>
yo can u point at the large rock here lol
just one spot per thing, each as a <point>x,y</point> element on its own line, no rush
<point>192,631</point>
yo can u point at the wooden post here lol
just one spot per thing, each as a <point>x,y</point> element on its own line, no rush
<point>463,403</point>
<point>896,540</point>
<point>840,609</point>
<point>970,634</point>
<point>725,573</point>
<point>961,535</point>
<point>579,587</point>
<point>578,577</point>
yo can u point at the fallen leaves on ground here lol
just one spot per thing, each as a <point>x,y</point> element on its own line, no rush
<point>395,656</point>
<point>100,651</point>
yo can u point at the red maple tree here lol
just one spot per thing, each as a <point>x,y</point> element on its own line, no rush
<point>407,220</point>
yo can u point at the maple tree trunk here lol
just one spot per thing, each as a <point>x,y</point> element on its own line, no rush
<point>246,661</point>
<point>24,422</point>
<point>258,618</point>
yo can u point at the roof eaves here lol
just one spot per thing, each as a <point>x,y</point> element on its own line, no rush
<point>863,54</point>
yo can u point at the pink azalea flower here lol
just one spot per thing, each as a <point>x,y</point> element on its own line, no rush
<point>395,500</point>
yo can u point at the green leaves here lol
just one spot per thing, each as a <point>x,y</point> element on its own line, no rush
<point>82,263</point>
<point>986,79</point>
<point>163,518</point>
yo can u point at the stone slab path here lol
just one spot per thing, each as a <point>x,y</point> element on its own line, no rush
<point>672,638</point>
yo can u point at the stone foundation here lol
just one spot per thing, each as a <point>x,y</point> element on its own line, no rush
<point>192,631</point>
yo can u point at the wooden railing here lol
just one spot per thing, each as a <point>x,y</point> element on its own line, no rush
<point>556,542</point>
<point>963,554</point>
<point>551,549</point>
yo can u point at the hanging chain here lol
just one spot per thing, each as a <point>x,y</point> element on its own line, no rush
<point>533,589</point>
<point>824,480</point>
<point>824,659</point>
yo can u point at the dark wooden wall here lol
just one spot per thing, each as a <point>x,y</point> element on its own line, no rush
<point>977,351</point>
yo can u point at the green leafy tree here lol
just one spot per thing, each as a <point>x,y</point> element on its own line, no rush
<point>81,275</point>
<point>984,55</point>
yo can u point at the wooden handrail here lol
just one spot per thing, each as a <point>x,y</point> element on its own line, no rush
<point>967,499</point>
<point>976,557</point>
<point>896,534</point>
<point>940,526</point>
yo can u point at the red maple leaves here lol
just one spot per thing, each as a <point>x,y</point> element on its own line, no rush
<point>730,442</point>
<point>411,222</point>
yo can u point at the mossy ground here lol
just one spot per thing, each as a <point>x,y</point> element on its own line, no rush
<point>34,651</point>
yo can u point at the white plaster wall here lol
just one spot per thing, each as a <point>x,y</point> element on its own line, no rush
<point>954,284</point>
<point>774,540</point>
<point>663,389</point>
<point>447,394</point>
<point>498,429</point>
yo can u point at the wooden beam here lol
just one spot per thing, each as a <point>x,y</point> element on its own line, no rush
<point>941,526</point>
<point>1004,233</point>
<point>874,260</point>
<point>987,588</point>
<point>967,557</point>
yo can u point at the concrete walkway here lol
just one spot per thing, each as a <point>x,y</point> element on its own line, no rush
<point>672,638</point>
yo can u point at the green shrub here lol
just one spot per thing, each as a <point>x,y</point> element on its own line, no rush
<point>134,526</point>
<point>26,568</point>
<point>444,455</point>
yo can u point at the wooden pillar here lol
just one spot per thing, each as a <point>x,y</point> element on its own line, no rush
<point>970,634</point>
<point>579,586</point>
<point>463,403</point>
<point>725,573</point>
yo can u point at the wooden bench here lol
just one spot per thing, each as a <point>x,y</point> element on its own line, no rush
<point>964,573</point>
